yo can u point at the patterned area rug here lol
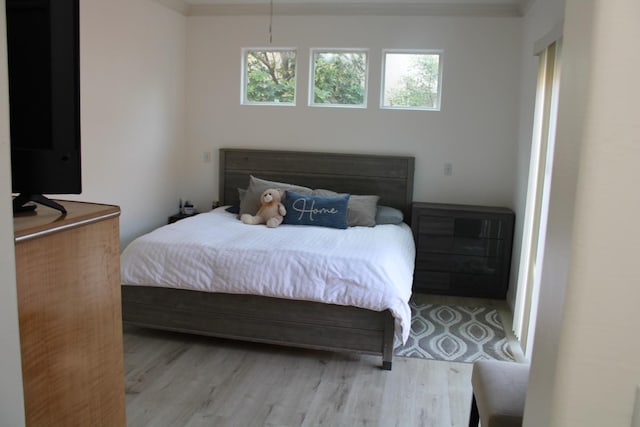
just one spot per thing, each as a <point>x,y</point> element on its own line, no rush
<point>455,334</point>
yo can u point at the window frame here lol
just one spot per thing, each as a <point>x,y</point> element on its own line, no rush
<point>245,77</point>
<point>383,73</point>
<point>312,71</point>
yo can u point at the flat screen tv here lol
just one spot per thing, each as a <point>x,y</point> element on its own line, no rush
<point>43,49</point>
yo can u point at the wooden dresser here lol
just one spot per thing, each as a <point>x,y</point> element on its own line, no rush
<point>462,250</point>
<point>68,285</point>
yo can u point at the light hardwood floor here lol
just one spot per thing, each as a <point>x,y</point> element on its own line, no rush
<point>182,380</point>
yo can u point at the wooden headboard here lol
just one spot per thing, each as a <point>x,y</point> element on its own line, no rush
<point>390,177</point>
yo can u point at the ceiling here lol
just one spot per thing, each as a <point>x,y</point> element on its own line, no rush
<point>351,7</point>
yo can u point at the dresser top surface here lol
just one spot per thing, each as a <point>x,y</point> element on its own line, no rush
<point>45,220</point>
<point>462,208</point>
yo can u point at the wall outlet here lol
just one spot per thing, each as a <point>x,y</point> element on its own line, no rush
<point>448,169</point>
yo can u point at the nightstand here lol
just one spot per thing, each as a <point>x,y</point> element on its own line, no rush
<point>462,250</point>
<point>179,216</point>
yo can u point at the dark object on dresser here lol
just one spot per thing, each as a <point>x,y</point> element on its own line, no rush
<point>43,64</point>
<point>275,320</point>
<point>462,250</point>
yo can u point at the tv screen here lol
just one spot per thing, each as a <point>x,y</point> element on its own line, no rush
<point>44,99</point>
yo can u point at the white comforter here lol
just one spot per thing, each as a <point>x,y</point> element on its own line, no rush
<point>367,267</point>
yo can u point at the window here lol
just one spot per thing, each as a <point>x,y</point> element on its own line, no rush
<point>538,192</point>
<point>412,80</point>
<point>338,78</point>
<point>269,76</point>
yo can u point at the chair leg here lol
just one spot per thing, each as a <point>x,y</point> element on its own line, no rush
<point>474,416</point>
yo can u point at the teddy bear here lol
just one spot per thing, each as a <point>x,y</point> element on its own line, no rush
<point>271,211</point>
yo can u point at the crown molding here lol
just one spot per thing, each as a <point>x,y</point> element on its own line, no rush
<point>351,9</point>
<point>525,6</point>
<point>177,5</point>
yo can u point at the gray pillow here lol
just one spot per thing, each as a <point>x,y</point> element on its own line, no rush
<point>361,210</point>
<point>388,215</point>
<point>250,203</point>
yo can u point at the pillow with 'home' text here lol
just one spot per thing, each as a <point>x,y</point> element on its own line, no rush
<point>361,210</point>
<point>321,211</point>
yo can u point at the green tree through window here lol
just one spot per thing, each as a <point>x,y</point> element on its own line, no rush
<point>412,81</point>
<point>270,76</point>
<point>339,78</point>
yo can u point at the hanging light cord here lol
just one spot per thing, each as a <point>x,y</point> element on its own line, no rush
<point>270,21</point>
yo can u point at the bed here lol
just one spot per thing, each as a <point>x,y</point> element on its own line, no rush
<point>275,318</point>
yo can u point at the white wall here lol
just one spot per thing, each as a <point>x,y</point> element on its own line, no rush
<point>133,60</point>
<point>476,130</point>
<point>11,402</point>
<point>585,364</point>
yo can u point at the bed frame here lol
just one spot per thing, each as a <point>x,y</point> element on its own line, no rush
<point>274,320</point>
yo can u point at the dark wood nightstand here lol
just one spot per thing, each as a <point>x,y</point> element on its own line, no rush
<point>462,250</point>
<point>179,216</point>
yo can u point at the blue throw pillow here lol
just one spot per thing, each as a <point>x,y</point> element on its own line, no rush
<point>316,210</point>
<point>388,215</point>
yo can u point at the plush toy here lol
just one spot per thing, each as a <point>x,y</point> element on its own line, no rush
<point>271,210</point>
